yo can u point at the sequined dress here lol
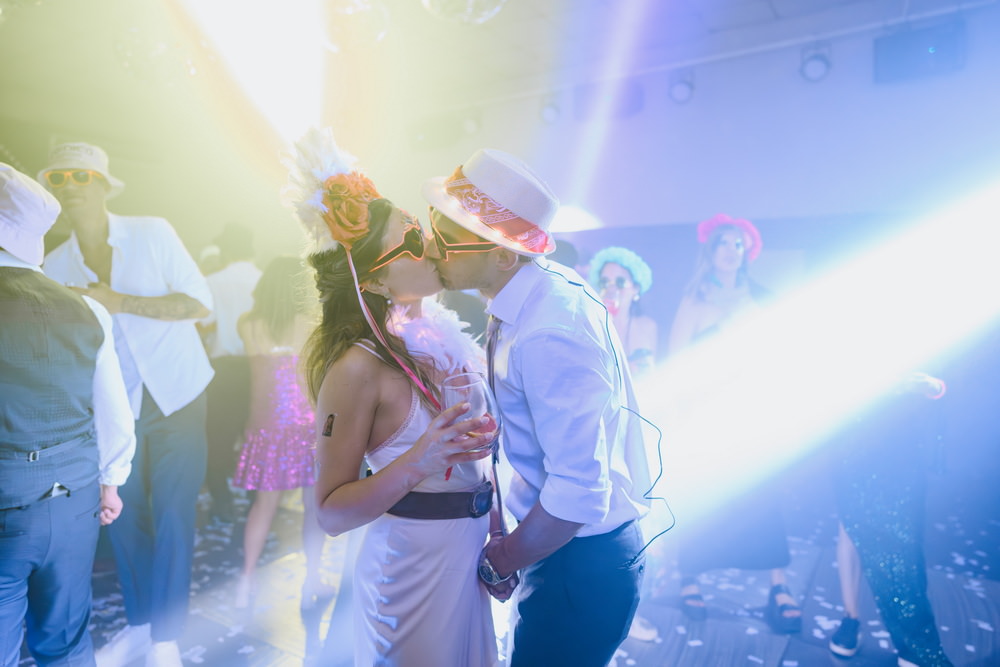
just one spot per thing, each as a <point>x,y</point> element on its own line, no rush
<point>880,478</point>
<point>279,441</point>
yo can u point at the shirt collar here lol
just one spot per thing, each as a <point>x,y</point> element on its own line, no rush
<point>507,304</point>
<point>7,259</point>
<point>116,230</point>
<point>116,233</point>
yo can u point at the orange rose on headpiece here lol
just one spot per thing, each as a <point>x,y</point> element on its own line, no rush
<point>346,198</point>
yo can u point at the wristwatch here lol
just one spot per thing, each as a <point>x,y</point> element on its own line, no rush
<point>488,573</point>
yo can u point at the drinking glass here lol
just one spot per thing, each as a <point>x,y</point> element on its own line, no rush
<point>473,389</point>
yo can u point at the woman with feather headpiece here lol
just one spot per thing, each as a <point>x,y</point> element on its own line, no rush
<point>373,367</point>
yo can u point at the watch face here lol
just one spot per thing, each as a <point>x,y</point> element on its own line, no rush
<point>487,574</point>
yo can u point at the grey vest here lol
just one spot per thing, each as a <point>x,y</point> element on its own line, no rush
<point>49,340</point>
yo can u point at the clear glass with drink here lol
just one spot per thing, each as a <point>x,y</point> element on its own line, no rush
<point>473,389</point>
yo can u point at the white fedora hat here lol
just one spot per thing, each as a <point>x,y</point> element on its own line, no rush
<point>79,155</point>
<point>27,212</point>
<point>499,198</point>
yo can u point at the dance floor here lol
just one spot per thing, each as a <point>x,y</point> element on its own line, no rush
<point>963,551</point>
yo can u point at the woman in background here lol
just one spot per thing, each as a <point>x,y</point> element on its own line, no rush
<point>748,533</point>
<point>880,467</point>
<point>621,277</point>
<point>279,449</point>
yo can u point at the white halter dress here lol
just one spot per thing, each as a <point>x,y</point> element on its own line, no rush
<point>418,600</point>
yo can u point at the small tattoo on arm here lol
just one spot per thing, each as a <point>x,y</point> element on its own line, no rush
<point>328,426</point>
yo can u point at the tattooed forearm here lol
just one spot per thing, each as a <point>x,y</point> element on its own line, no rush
<point>174,306</point>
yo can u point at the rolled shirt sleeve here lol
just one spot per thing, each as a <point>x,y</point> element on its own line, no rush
<point>568,392</point>
<point>113,420</point>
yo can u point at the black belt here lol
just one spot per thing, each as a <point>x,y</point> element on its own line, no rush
<point>451,505</point>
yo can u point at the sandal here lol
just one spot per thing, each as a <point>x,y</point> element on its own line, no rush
<point>693,605</point>
<point>778,615</point>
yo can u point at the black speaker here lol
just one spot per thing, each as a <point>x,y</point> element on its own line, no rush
<point>912,53</point>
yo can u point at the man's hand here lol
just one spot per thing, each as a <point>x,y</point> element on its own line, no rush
<point>111,504</point>
<point>504,590</point>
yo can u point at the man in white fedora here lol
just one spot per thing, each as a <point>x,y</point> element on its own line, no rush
<point>66,438</point>
<point>139,269</point>
<point>568,428</point>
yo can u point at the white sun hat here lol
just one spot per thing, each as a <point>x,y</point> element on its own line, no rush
<point>499,198</point>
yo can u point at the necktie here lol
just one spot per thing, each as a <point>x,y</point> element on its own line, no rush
<point>492,330</point>
<point>492,333</point>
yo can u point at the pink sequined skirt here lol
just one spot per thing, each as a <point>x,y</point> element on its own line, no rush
<point>279,449</point>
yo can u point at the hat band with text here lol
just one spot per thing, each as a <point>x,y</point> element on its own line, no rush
<point>495,216</point>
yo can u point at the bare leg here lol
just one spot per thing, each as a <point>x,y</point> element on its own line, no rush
<point>259,519</point>
<point>849,570</point>
<point>778,579</point>
<point>313,537</point>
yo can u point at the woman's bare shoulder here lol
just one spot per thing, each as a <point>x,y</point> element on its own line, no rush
<point>354,362</point>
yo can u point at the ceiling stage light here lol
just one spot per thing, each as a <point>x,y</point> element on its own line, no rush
<point>681,86</point>
<point>816,62</point>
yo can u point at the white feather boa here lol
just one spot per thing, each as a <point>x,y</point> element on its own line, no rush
<point>437,336</point>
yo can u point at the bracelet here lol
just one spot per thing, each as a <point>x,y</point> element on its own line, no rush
<point>496,533</point>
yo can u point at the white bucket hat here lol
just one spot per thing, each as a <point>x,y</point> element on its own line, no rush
<point>27,212</point>
<point>82,156</point>
<point>498,197</point>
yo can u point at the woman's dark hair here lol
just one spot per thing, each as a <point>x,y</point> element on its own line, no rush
<point>704,271</point>
<point>280,295</point>
<point>343,323</point>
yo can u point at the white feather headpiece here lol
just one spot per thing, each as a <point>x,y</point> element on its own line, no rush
<point>328,207</point>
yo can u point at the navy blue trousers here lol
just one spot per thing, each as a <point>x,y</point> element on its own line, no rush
<point>46,558</point>
<point>153,539</point>
<point>576,606</point>
<point>228,409</point>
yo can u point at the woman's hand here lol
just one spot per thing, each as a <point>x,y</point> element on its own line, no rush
<point>450,440</point>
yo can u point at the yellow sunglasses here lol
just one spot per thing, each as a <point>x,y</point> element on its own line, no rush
<point>61,177</point>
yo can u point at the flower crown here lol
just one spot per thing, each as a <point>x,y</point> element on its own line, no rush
<point>754,244</point>
<point>329,197</point>
<point>641,274</point>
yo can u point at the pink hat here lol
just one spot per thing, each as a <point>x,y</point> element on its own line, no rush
<point>27,212</point>
<point>754,243</point>
<point>499,198</point>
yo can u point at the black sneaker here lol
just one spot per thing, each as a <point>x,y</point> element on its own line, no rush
<point>847,639</point>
